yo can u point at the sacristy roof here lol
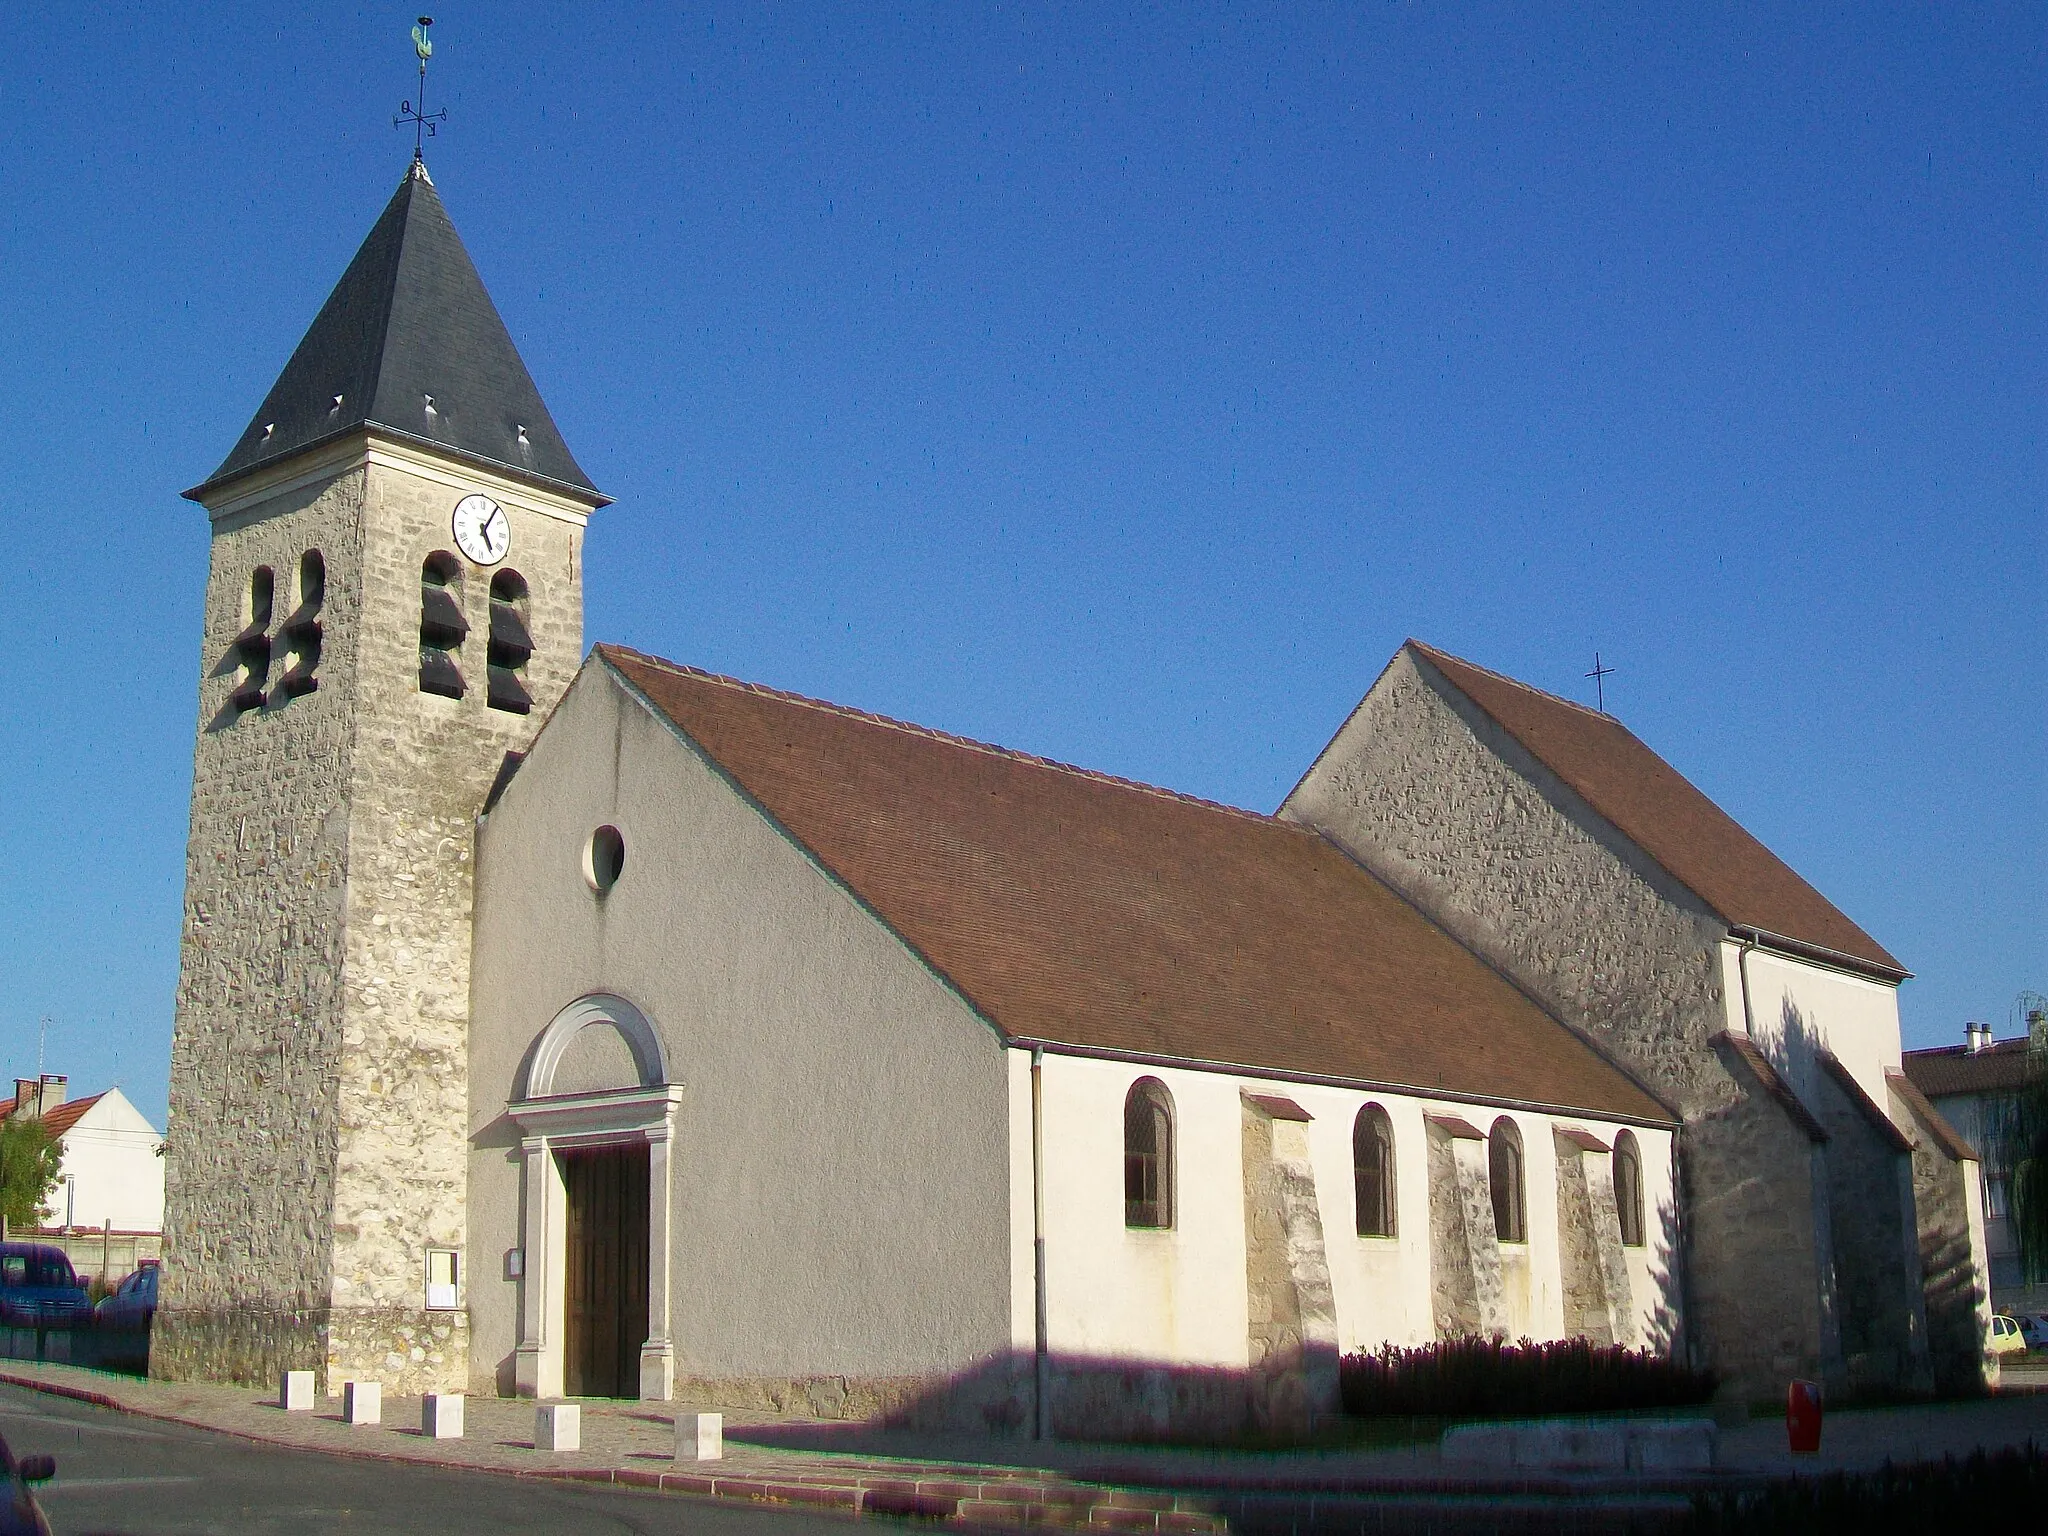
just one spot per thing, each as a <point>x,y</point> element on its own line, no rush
<point>1074,909</point>
<point>1658,809</point>
<point>409,326</point>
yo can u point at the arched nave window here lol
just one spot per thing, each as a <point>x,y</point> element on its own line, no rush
<point>1372,1171</point>
<point>1628,1189</point>
<point>1504,1175</point>
<point>1148,1155</point>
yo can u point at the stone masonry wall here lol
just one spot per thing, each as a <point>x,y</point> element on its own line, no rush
<point>1468,1292</point>
<point>1291,1308</point>
<point>423,767</point>
<point>1754,1196</point>
<point>1882,1320</point>
<point>1951,1289</point>
<point>319,1075</point>
<point>249,1170</point>
<point>1594,1273</point>
<point>1432,796</point>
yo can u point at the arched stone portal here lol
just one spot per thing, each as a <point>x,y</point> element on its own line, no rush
<point>598,1099</point>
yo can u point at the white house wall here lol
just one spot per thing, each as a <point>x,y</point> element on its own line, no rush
<point>1795,1005</point>
<point>111,1171</point>
<point>1179,1296</point>
<point>841,1188</point>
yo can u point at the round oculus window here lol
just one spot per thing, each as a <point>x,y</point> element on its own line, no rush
<point>604,859</point>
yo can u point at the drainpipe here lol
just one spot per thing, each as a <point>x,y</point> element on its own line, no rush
<point>1742,968</point>
<point>1041,1426</point>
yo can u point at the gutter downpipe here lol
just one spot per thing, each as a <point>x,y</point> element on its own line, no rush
<point>1742,969</point>
<point>1041,1427</point>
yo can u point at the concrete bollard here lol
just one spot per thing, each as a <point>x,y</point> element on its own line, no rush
<point>558,1427</point>
<point>441,1415</point>
<point>700,1436</point>
<point>362,1402</point>
<point>295,1392</point>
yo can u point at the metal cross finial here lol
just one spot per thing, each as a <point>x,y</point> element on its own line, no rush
<point>1600,674</point>
<point>421,119</point>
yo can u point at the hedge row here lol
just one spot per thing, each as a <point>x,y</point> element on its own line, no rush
<point>1490,1378</point>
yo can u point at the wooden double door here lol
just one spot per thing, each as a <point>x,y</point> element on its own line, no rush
<point>605,1294</point>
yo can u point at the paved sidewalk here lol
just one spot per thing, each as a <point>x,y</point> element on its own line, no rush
<point>858,1469</point>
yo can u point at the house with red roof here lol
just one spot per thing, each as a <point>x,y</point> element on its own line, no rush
<point>110,1179</point>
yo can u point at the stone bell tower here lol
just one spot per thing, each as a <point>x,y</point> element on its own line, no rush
<point>394,603</point>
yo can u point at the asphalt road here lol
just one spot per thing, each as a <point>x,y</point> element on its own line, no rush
<point>134,1477</point>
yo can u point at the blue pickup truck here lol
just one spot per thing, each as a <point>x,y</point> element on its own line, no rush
<point>38,1288</point>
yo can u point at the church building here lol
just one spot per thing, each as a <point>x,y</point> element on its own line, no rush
<point>556,1024</point>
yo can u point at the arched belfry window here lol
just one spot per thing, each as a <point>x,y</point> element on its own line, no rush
<point>1148,1155</point>
<point>511,644</point>
<point>302,629</point>
<point>1372,1171</point>
<point>1628,1189</point>
<point>442,626</point>
<point>1504,1175</point>
<point>252,645</point>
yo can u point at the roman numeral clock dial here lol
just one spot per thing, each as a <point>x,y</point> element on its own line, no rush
<point>482,531</point>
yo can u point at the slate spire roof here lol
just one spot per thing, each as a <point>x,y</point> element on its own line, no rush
<point>409,342</point>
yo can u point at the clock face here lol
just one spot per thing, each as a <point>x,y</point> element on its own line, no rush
<point>482,531</point>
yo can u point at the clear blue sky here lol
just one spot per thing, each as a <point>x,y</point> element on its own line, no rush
<point>1122,385</point>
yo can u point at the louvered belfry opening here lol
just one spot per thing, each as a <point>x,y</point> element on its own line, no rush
<point>511,644</point>
<point>605,1280</point>
<point>252,645</point>
<point>442,626</point>
<point>302,631</point>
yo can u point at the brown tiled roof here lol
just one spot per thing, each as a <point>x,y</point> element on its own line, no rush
<point>1759,1066</point>
<point>1276,1108</point>
<point>1079,910</point>
<point>1656,807</point>
<point>2000,1068</point>
<point>1456,1128</point>
<point>1879,1121</point>
<point>1932,1120</point>
<point>63,1117</point>
<point>1583,1139</point>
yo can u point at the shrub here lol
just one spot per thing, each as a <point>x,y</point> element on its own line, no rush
<point>1490,1378</point>
<point>2004,1491</point>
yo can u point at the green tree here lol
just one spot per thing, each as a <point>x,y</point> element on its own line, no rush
<point>2026,1154</point>
<point>29,1156</point>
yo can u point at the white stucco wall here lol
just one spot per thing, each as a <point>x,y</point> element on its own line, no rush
<point>841,1200</point>
<point>1179,1296</point>
<point>111,1171</point>
<point>1854,1016</point>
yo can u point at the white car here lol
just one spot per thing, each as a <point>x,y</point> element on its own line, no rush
<point>2006,1338</point>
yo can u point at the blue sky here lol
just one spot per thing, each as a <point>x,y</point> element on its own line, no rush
<point>1119,384</point>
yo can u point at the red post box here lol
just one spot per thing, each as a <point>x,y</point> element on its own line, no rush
<point>1802,1417</point>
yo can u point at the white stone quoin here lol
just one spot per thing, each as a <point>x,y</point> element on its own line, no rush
<point>700,1436</point>
<point>295,1393</point>
<point>558,1427</point>
<point>362,1402</point>
<point>441,1415</point>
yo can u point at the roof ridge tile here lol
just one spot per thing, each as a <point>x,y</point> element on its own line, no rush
<point>971,743</point>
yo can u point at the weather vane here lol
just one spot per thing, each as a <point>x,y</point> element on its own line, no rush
<point>421,119</point>
<point>1600,674</point>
